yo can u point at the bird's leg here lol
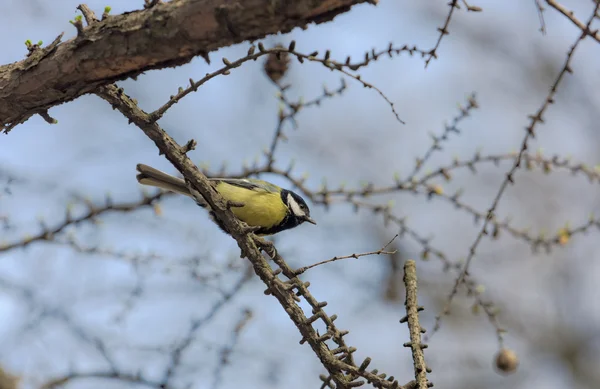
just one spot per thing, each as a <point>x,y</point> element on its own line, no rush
<point>267,246</point>
<point>249,229</point>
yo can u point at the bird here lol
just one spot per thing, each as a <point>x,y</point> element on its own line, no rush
<point>266,207</point>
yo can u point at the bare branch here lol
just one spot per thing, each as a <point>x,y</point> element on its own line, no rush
<point>227,350</point>
<point>48,233</point>
<point>415,329</point>
<point>585,28</point>
<point>120,46</point>
<point>448,129</point>
<point>293,109</point>
<point>177,353</point>
<point>343,68</point>
<point>356,256</point>
<point>453,4</point>
<point>540,11</point>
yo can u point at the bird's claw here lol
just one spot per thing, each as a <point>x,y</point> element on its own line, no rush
<point>250,229</point>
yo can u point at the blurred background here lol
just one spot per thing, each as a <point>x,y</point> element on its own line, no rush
<point>161,292</point>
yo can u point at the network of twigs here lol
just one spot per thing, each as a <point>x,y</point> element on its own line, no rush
<point>336,356</point>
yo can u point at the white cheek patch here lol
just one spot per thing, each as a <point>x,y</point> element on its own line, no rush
<point>296,210</point>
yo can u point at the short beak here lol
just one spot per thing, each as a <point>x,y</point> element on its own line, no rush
<point>311,221</point>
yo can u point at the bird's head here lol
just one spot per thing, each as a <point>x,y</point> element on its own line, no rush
<point>297,207</point>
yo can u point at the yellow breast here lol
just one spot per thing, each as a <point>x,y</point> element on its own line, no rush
<point>261,208</point>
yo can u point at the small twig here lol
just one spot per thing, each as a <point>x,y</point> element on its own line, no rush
<point>415,329</point>
<point>429,250</point>
<point>88,14</point>
<point>378,252</point>
<point>189,338</point>
<point>540,11</point>
<point>472,8</point>
<point>36,303</point>
<point>48,234</point>
<point>227,350</point>
<point>585,29</point>
<point>78,25</point>
<point>453,4</point>
<point>437,140</point>
<point>189,146</point>
<point>46,116</point>
<point>371,56</point>
<point>294,108</point>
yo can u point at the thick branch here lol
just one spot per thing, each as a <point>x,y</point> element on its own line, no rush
<point>165,35</point>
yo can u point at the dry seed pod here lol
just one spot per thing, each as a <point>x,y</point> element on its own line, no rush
<point>506,361</point>
<point>277,64</point>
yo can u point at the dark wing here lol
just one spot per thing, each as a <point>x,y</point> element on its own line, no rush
<point>250,183</point>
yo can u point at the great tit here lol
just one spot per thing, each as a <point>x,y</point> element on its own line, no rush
<point>265,205</point>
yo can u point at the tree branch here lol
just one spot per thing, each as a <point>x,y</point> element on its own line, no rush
<point>595,34</point>
<point>339,362</point>
<point>122,46</point>
<point>415,329</point>
<point>48,233</point>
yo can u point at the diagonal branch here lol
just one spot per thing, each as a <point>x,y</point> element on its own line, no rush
<point>164,35</point>
<point>595,34</point>
<point>339,362</point>
<point>176,155</point>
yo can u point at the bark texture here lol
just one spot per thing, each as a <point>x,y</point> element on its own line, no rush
<point>165,35</point>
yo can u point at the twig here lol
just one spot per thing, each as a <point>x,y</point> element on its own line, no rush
<point>471,8</point>
<point>414,328</point>
<point>188,339</point>
<point>584,27</point>
<point>55,312</point>
<point>226,351</point>
<point>48,234</point>
<point>540,11</point>
<point>294,108</point>
<point>378,252</point>
<point>373,55</point>
<point>88,14</point>
<point>429,250</point>
<point>437,140</point>
<point>312,57</point>
<point>453,4</point>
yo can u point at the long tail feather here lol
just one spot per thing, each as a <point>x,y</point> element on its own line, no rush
<point>153,177</point>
